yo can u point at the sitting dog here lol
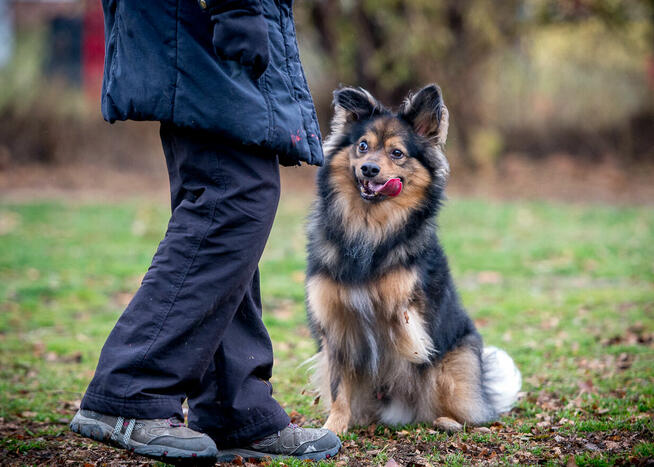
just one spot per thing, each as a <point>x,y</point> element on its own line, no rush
<point>395,344</point>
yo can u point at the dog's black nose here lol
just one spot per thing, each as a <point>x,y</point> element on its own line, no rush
<point>370,169</point>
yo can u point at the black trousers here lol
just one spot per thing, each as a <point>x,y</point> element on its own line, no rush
<point>193,329</point>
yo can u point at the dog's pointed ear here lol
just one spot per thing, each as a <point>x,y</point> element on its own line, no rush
<point>427,114</point>
<point>352,104</point>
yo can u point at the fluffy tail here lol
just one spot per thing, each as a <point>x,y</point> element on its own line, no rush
<point>502,379</point>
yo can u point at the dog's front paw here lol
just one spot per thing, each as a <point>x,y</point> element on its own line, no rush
<point>336,424</point>
<point>448,424</point>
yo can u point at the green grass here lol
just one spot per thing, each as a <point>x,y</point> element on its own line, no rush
<point>567,290</point>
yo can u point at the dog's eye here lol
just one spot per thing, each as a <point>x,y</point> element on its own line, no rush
<point>363,146</point>
<point>397,154</point>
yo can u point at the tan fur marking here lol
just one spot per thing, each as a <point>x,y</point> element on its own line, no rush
<point>375,221</point>
<point>372,140</point>
<point>395,142</point>
<point>330,304</point>
<point>448,425</point>
<point>340,411</point>
<point>457,385</point>
<point>394,290</point>
<point>326,301</point>
<point>411,340</point>
<point>391,295</point>
<point>398,305</point>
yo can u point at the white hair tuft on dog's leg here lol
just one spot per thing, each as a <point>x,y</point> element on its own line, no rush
<point>502,379</point>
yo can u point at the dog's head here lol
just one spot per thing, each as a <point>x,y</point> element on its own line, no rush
<point>389,156</point>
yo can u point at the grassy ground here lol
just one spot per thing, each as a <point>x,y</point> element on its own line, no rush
<point>567,290</point>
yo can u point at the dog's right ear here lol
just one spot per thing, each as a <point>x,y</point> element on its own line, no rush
<point>352,104</point>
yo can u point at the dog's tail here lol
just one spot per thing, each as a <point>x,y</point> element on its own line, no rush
<point>502,379</point>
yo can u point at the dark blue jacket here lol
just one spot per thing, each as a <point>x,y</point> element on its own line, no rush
<point>160,65</point>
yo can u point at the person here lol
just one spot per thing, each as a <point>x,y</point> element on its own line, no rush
<point>224,79</point>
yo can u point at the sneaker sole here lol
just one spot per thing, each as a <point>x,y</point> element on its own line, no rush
<point>229,455</point>
<point>99,431</point>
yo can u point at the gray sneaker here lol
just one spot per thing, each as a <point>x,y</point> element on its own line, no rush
<point>292,441</point>
<point>163,439</point>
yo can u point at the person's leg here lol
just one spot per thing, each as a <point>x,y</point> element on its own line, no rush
<point>224,201</point>
<point>231,413</point>
<point>168,336</point>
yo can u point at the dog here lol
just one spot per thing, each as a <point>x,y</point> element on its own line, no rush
<point>395,345</point>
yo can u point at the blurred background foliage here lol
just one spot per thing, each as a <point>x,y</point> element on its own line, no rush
<point>534,76</point>
<point>522,78</point>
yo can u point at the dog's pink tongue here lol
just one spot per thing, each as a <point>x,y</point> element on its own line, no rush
<point>392,187</point>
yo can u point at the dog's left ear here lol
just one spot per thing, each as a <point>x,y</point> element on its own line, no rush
<point>426,112</point>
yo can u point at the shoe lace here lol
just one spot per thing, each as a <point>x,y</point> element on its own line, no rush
<point>174,422</point>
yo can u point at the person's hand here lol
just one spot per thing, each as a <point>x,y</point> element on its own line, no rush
<point>242,36</point>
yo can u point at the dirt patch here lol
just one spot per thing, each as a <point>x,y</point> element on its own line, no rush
<point>26,442</point>
<point>493,445</point>
<point>35,443</point>
<point>562,178</point>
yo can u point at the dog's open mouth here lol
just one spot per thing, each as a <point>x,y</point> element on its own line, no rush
<point>371,190</point>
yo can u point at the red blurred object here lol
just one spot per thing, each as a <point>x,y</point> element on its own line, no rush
<point>93,50</point>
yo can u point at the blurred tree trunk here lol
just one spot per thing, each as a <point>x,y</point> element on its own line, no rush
<point>393,46</point>
<point>461,64</point>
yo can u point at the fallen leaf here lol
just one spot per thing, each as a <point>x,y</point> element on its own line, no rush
<point>624,361</point>
<point>297,418</point>
<point>586,387</point>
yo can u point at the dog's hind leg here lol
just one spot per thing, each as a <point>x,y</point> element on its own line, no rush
<point>458,391</point>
